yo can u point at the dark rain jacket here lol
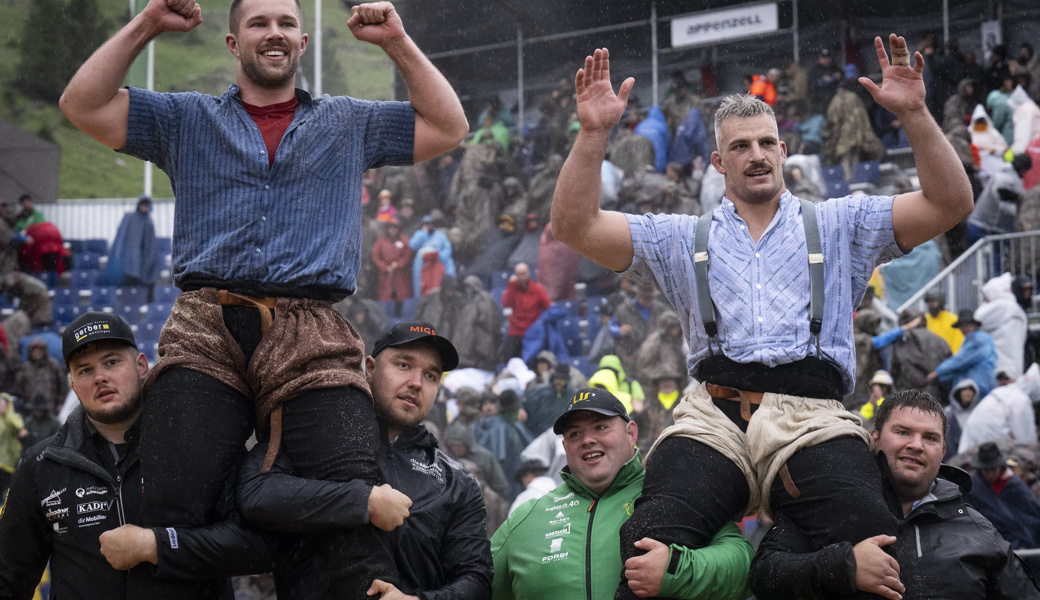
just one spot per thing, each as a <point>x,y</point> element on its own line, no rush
<point>442,551</point>
<point>946,550</point>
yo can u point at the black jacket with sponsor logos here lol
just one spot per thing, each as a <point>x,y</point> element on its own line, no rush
<point>442,551</point>
<point>63,496</point>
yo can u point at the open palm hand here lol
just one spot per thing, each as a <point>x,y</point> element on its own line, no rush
<point>902,87</point>
<point>598,106</point>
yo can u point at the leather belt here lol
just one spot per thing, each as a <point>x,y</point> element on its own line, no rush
<point>746,399</point>
<point>264,306</point>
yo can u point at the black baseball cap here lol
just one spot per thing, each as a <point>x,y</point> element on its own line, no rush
<point>418,331</point>
<point>597,400</point>
<point>93,327</point>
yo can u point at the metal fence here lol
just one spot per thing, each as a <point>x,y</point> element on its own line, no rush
<point>962,281</point>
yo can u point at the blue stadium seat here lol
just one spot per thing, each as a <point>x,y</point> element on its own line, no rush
<point>570,328</point>
<point>408,306</point>
<point>166,293</point>
<point>131,313</point>
<point>76,246</point>
<point>150,349</point>
<point>164,245</point>
<point>390,308</point>
<point>97,246</point>
<point>87,260</point>
<point>103,295</point>
<point>65,314</point>
<point>158,312</point>
<point>868,171</point>
<point>148,331</point>
<point>133,295</point>
<point>496,293</point>
<point>581,363</point>
<point>65,296</point>
<point>500,279</point>
<point>82,278</point>
<point>834,181</point>
<point>573,307</point>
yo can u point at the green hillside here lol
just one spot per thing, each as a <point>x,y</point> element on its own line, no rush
<point>194,61</point>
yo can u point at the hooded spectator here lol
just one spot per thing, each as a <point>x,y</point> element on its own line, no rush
<point>461,446</point>
<point>611,376</point>
<point>997,204</point>
<point>988,142</point>
<point>558,266</point>
<point>958,107</point>
<point>916,353</point>
<point>42,376</point>
<point>392,256</point>
<point>478,329</point>
<point>442,308</point>
<point>1005,413</point>
<point>848,136</point>
<point>532,474</point>
<point>940,321</point>
<point>1026,119</point>
<point>134,257</point>
<point>1004,499</point>
<point>40,422</point>
<point>1004,320</point>
<point>545,402</point>
<point>505,436</point>
<point>430,240</point>
<point>963,399</point>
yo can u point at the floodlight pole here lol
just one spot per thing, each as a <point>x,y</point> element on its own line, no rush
<point>520,77</point>
<point>653,48</point>
<point>317,48</point>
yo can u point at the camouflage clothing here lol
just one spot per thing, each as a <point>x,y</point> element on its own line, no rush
<point>32,296</point>
<point>44,377</point>
<point>543,184</point>
<point>479,196</point>
<point>847,135</point>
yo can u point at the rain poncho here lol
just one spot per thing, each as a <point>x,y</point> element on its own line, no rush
<point>990,144</point>
<point>1026,117</point>
<point>1006,322</point>
<point>1007,412</point>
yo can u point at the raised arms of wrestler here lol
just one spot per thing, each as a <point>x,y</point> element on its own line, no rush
<point>945,197</point>
<point>94,100</point>
<point>600,235</point>
<point>440,123</point>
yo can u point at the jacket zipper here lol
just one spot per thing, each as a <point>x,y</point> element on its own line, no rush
<point>588,551</point>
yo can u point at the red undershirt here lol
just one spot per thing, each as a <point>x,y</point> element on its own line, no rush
<point>272,120</point>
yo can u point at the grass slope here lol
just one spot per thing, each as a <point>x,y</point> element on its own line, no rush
<point>194,61</point>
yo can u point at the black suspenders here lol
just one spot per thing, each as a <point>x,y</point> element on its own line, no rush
<point>812,242</point>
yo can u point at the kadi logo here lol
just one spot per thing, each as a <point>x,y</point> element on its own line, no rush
<point>90,507</point>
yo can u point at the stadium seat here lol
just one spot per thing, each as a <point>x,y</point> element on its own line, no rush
<point>97,246</point>
<point>500,279</point>
<point>408,306</point>
<point>166,294</point>
<point>87,260</point>
<point>581,363</point>
<point>573,307</point>
<point>867,172</point>
<point>76,246</point>
<point>834,180</point>
<point>133,295</point>
<point>158,312</point>
<point>65,314</point>
<point>65,296</point>
<point>82,278</point>
<point>164,245</point>
<point>131,313</point>
<point>103,296</point>
<point>148,331</point>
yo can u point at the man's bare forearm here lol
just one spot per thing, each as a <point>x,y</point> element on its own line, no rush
<point>943,180</point>
<point>95,86</point>
<point>432,97</point>
<point>575,201</point>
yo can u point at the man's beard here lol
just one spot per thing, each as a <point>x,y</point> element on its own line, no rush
<point>267,79</point>
<point>118,414</point>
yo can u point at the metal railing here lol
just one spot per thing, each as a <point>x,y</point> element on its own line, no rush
<point>962,281</point>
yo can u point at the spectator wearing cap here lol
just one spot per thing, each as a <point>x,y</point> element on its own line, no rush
<point>824,77</point>
<point>976,359</point>
<point>496,247</point>
<point>565,544</point>
<point>545,402</point>
<point>940,320</point>
<point>536,484</point>
<point>430,240</point>
<point>527,299</point>
<point>881,384</point>
<point>40,422</point>
<point>503,433</point>
<point>392,255</point>
<point>85,481</point>
<point>441,548</point>
<point>1003,498</point>
<point>515,201</point>
<point>406,215</point>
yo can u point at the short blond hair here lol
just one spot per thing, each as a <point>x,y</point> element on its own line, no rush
<point>741,106</point>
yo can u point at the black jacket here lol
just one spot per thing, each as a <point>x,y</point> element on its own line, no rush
<point>62,498</point>
<point>442,551</point>
<point>945,549</point>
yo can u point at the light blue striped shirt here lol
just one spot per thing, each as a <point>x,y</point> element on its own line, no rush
<point>761,291</point>
<point>294,227</point>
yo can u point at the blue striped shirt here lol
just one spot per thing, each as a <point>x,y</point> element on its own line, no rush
<point>293,229</point>
<point>761,291</point>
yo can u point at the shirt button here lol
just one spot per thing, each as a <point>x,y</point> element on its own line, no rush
<point>258,252</point>
<point>262,152</point>
<point>759,319</point>
<point>741,227</point>
<point>758,285</point>
<point>267,187</point>
<point>265,218</point>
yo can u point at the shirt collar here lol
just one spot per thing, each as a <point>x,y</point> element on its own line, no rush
<point>301,95</point>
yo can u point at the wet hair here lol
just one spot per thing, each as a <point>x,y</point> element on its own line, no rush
<point>918,399</point>
<point>743,106</point>
<point>236,8</point>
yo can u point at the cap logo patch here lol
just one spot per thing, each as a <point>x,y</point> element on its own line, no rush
<point>88,329</point>
<point>426,330</point>
<point>583,396</point>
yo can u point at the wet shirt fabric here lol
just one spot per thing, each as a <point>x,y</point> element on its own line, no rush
<point>295,224</point>
<point>761,290</point>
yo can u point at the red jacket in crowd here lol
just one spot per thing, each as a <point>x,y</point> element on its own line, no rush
<point>394,284</point>
<point>527,304</point>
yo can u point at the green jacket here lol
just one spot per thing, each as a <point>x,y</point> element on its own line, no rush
<point>10,446</point>
<point>566,544</point>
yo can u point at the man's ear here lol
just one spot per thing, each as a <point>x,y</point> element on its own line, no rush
<point>874,435</point>
<point>232,44</point>
<point>370,367</point>
<point>716,161</point>
<point>633,431</point>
